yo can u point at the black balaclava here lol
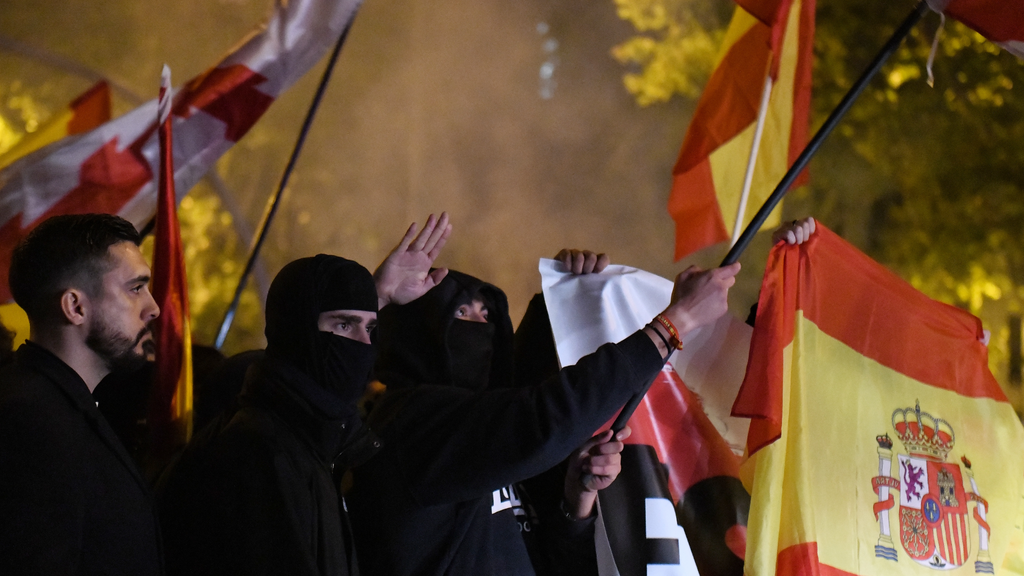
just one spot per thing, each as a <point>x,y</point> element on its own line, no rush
<point>422,342</point>
<point>301,291</point>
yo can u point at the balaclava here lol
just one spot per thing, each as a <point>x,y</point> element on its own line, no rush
<point>422,342</point>
<point>300,292</point>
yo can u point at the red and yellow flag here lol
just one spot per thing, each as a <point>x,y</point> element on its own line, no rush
<point>881,443</point>
<point>773,37</point>
<point>86,112</point>
<point>171,398</point>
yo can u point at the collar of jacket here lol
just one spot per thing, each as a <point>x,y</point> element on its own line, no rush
<point>64,377</point>
<point>274,385</point>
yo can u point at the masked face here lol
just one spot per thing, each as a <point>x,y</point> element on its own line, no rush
<point>471,346</point>
<point>345,365</point>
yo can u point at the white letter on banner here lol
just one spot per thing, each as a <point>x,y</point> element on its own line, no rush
<point>661,524</point>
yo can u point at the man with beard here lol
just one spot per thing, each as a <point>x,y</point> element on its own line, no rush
<point>462,429</point>
<point>71,499</point>
<point>258,493</point>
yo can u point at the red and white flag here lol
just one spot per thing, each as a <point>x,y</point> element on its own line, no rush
<point>112,168</point>
<point>1001,21</point>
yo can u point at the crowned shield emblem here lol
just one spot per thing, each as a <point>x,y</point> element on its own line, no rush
<point>934,520</point>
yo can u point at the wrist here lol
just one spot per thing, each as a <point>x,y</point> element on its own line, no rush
<point>383,294</point>
<point>674,338</point>
<point>579,508</point>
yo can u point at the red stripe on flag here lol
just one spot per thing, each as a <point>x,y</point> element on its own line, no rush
<point>800,130</point>
<point>862,304</point>
<point>730,100</point>
<point>802,560</point>
<point>998,20</point>
<point>681,434</point>
<point>694,207</point>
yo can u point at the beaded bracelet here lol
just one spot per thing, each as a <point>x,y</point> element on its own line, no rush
<point>676,342</point>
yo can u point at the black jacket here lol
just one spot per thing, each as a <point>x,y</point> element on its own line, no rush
<point>257,494</point>
<point>71,499</point>
<point>442,496</point>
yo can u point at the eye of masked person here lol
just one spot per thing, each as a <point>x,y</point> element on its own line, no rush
<point>354,324</point>
<point>475,311</point>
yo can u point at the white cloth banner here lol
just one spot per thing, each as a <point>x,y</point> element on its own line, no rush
<point>589,310</point>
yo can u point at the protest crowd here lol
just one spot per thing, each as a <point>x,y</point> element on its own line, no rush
<point>473,460</point>
<point>399,423</point>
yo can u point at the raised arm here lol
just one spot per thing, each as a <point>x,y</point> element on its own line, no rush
<point>405,274</point>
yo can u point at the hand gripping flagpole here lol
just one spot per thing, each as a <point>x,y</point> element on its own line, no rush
<point>275,200</point>
<point>801,162</point>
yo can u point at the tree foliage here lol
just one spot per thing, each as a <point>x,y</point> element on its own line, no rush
<point>927,180</point>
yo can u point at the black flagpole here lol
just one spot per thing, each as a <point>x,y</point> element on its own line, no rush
<point>799,165</point>
<point>268,216</point>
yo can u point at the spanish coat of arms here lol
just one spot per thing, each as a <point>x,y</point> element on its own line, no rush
<point>934,520</point>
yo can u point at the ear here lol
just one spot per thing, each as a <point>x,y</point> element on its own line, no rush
<point>73,305</point>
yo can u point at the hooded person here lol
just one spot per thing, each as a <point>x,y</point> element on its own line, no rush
<point>424,342</point>
<point>258,494</point>
<point>445,494</point>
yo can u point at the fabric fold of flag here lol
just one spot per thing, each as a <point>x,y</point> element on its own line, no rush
<point>880,442</point>
<point>1001,21</point>
<point>170,411</point>
<point>775,37</point>
<point>111,168</point>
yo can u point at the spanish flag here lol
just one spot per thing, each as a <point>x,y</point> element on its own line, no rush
<point>171,398</point>
<point>880,442</point>
<point>772,38</point>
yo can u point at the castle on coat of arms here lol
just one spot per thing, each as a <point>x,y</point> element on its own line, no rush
<point>934,524</point>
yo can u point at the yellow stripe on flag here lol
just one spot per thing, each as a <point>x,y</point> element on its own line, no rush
<point>728,162</point>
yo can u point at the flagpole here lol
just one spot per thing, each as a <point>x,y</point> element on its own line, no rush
<point>748,178</point>
<point>275,200</point>
<point>824,131</point>
<point>798,166</point>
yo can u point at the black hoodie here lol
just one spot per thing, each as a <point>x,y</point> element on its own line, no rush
<point>441,496</point>
<point>258,493</point>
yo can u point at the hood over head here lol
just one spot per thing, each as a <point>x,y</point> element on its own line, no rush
<point>423,343</point>
<point>299,293</point>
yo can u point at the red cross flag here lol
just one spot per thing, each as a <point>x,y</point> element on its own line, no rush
<point>111,168</point>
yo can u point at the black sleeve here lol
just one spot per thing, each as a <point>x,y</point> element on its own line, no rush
<point>561,546</point>
<point>41,506</point>
<point>536,357</point>
<point>237,508</point>
<point>452,445</point>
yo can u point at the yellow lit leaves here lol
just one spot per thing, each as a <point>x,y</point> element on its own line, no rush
<point>673,52</point>
<point>213,262</point>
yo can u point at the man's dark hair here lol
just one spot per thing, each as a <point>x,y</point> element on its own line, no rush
<point>64,252</point>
